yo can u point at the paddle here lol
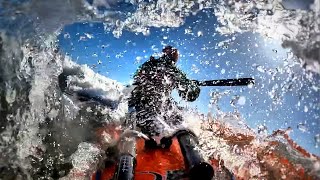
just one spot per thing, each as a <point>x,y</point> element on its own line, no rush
<point>226,82</point>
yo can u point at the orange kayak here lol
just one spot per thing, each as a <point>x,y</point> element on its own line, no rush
<point>159,163</point>
<point>273,158</point>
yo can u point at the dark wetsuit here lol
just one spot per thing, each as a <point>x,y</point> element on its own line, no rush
<point>151,97</point>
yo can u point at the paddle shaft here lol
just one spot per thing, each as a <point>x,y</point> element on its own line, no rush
<point>226,82</point>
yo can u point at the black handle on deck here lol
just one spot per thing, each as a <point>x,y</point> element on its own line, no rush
<point>196,165</point>
<point>125,169</point>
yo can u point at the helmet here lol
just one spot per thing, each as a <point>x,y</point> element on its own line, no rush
<point>171,52</point>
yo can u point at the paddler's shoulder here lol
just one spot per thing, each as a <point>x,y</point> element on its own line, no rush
<point>153,61</point>
<point>158,62</point>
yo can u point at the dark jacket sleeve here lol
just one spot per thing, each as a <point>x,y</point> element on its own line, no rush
<point>145,68</point>
<point>187,89</point>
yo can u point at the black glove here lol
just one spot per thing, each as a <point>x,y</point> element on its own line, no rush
<point>191,93</point>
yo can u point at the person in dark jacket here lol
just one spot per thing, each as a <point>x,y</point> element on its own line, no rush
<point>151,100</point>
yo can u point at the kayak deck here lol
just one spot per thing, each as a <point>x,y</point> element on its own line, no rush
<point>152,163</point>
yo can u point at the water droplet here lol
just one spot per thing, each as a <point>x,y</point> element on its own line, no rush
<point>138,59</point>
<point>315,88</point>
<point>289,55</point>
<point>89,36</point>
<point>317,140</point>
<point>188,31</point>
<point>261,69</point>
<point>269,12</point>
<point>82,38</point>
<point>242,100</point>
<point>262,129</point>
<point>66,36</point>
<point>236,150</point>
<point>195,69</point>
<point>302,127</point>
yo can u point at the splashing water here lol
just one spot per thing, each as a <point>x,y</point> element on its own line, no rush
<point>41,126</point>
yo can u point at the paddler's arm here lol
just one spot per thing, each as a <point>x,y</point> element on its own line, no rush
<point>187,89</point>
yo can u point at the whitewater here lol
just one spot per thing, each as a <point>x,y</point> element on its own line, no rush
<point>47,133</point>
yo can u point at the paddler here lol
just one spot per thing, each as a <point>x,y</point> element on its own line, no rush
<point>151,101</point>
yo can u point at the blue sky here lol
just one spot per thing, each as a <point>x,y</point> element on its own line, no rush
<point>246,55</point>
